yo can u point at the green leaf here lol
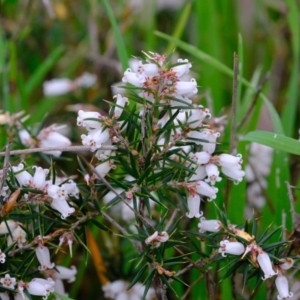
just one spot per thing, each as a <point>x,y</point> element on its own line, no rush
<point>38,76</point>
<point>137,276</point>
<point>60,296</point>
<point>274,140</point>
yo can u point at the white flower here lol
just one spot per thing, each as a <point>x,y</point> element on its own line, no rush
<point>265,264</point>
<point>197,116</point>
<point>86,80</point>
<point>95,138</point>
<point>38,289</point>
<point>43,255</point>
<point>66,273</point>
<point>7,226</point>
<point>207,138</point>
<point>104,168</point>
<point>235,248</point>
<point>230,161</point>
<point>182,68</point>
<point>209,225</point>
<point>199,174</point>
<point>49,137</point>
<point>200,158</point>
<point>5,296</point>
<point>18,235</point>
<point>235,174</point>
<point>286,263</point>
<point>146,70</point>
<point>8,282</point>
<point>282,287</point>
<point>46,282</point>
<point>59,288</point>
<point>157,238</point>
<point>132,78</point>
<point>186,88</point>
<point>2,257</point>
<point>25,138</point>
<point>84,119</point>
<point>205,189</point>
<point>62,206</point>
<point>24,178</point>
<point>212,172</point>
<point>57,87</point>
<point>39,178</point>
<point>120,103</point>
<point>193,202</point>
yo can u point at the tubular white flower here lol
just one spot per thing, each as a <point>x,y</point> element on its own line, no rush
<point>86,80</point>
<point>70,188</point>
<point>18,236</point>
<point>25,138</point>
<point>265,264</point>
<point>47,282</point>
<point>209,225</point>
<point>57,192</point>
<point>282,287</point>
<point>205,189</point>
<point>197,116</point>
<point>230,161</point>
<point>23,177</point>
<point>8,226</point>
<point>148,70</point>
<point>66,273</point>
<point>2,257</point>
<point>83,116</point>
<point>49,137</point>
<point>233,173</point>
<point>120,103</point>
<point>183,67</point>
<point>59,288</point>
<point>39,177</point>
<point>199,174</point>
<point>235,248</point>
<point>5,296</point>
<point>212,172</point>
<point>57,87</point>
<point>286,263</point>
<point>201,158</point>
<point>207,138</point>
<point>43,255</point>
<point>193,203</point>
<point>62,206</point>
<point>8,282</point>
<point>36,288</point>
<point>186,88</point>
<point>95,138</point>
<point>132,78</point>
<point>104,168</point>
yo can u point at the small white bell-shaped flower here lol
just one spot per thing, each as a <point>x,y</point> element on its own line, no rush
<point>265,264</point>
<point>235,174</point>
<point>62,206</point>
<point>230,161</point>
<point>104,168</point>
<point>36,288</point>
<point>205,189</point>
<point>57,87</point>
<point>95,138</point>
<point>66,273</point>
<point>209,225</point>
<point>182,68</point>
<point>146,70</point>
<point>2,257</point>
<point>24,178</point>
<point>8,226</point>
<point>85,119</point>
<point>200,158</point>
<point>193,203</point>
<point>8,282</point>
<point>199,174</point>
<point>186,88</point>
<point>235,248</point>
<point>43,255</point>
<point>132,78</point>
<point>212,172</point>
<point>18,235</point>
<point>282,287</point>
<point>120,103</point>
<point>39,177</point>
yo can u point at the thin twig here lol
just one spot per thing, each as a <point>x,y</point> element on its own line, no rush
<point>50,149</point>
<point>233,118</point>
<point>120,228</point>
<point>5,166</point>
<point>253,103</point>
